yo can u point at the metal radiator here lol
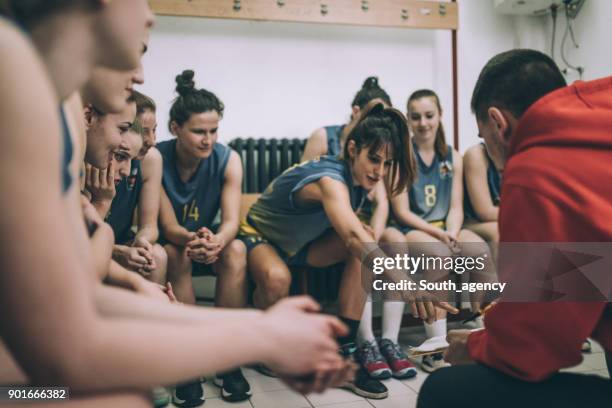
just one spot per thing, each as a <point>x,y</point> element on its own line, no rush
<point>262,161</point>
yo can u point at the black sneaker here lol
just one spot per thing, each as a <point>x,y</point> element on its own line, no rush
<point>234,387</point>
<point>188,395</point>
<point>363,385</point>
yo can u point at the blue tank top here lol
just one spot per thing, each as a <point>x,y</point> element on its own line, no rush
<point>494,183</point>
<point>197,201</point>
<point>67,154</point>
<point>430,195</point>
<point>334,134</point>
<point>288,225</point>
<point>122,209</point>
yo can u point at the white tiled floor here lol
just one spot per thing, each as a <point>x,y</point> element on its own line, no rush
<point>272,393</point>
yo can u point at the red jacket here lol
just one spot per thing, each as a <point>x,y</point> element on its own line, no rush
<point>557,187</point>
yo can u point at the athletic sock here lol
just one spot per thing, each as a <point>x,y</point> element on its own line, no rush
<point>365,332</point>
<point>348,341</point>
<point>437,328</point>
<point>392,320</point>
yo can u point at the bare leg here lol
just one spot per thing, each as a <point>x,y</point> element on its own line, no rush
<point>328,250</point>
<point>231,290</point>
<point>488,231</point>
<point>271,275</point>
<point>158,275</point>
<point>394,242</point>
<point>472,245</point>
<point>179,273</point>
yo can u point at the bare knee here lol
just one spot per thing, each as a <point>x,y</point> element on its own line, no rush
<point>472,244</point>
<point>178,262</point>
<point>232,262</point>
<point>234,254</point>
<point>276,283</point>
<point>160,256</point>
<point>392,235</point>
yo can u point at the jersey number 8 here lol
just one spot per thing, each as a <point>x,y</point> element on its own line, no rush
<point>430,195</point>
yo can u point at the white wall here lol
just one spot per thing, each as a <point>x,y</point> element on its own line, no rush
<point>593,31</point>
<point>482,34</point>
<point>286,79</point>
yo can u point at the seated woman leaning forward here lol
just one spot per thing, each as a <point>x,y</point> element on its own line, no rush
<point>306,217</point>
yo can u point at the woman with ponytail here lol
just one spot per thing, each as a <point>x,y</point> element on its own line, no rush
<point>307,218</point>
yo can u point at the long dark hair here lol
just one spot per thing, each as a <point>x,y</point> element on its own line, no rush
<point>440,145</point>
<point>192,100</point>
<point>377,126</point>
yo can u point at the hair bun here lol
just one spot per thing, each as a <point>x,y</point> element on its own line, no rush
<point>370,83</point>
<point>185,83</point>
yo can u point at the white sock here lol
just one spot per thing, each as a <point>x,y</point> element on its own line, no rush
<point>437,328</point>
<point>392,320</point>
<point>365,332</point>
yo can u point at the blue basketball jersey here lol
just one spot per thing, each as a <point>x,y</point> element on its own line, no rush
<point>197,201</point>
<point>291,226</point>
<point>67,153</point>
<point>122,209</point>
<point>494,183</point>
<point>430,195</point>
<point>334,134</point>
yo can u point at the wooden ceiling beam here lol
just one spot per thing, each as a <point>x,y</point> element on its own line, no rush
<point>379,13</point>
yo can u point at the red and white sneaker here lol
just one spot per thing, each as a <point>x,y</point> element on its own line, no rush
<point>398,361</point>
<point>370,358</point>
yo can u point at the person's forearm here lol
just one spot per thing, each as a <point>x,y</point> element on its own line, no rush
<point>150,233</point>
<point>121,277</point>
<point>227,232</point>
<point>132,353</point>
<point>454,221</point>
<point>177,235</point>
<point>102,248</point>
<point>116,302</point>
<point>489,215</point>
<point>378,222</point>
<point>102,207</point>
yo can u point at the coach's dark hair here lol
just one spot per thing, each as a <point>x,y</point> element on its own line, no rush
<point>370,90</point>
<point>440,145</point>
<point>378,126</point>
<point>30,12</point>
<point>143,103</point>
<point>514,80</point>
<point>192,100</point>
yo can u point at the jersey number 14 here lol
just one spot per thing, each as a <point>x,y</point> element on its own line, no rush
<point>191,211</point>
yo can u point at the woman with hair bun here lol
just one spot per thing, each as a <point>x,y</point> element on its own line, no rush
<point>200,178</point>
<point>329,140</point>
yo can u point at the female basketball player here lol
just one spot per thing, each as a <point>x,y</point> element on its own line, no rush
<point>306,218</point>
<point>138,251</point>
<point>329,140</point>
<point>52,327</point>
<point>200,178</point>
<point>482,193</point>
<point>430,214</point>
